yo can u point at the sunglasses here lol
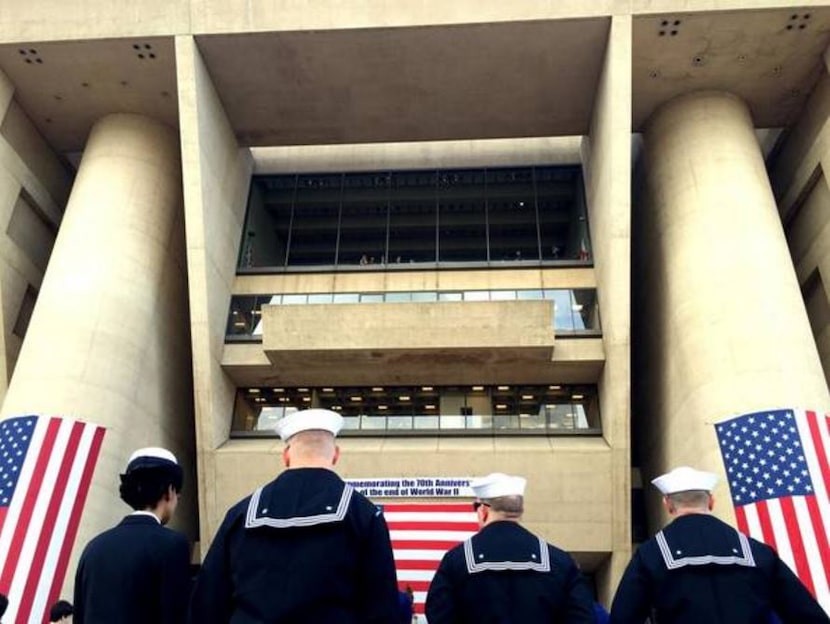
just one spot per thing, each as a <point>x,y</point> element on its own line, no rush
<point>478,504</point>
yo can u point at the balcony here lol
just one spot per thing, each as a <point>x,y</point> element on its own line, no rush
<point>451,339</point>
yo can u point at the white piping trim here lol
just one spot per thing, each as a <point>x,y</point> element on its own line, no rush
<point>252,521</point>
<point>543,565</point>
<point>746,559</point>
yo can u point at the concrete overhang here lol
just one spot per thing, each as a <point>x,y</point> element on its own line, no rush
<point>456,342</point>
<point>403,82</point>
<point>771,58</point>
<point>66,86</point>
<point>418,83</point>
<point>443,335</point>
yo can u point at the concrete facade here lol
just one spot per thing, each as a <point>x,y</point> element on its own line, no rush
<point>710,282</point>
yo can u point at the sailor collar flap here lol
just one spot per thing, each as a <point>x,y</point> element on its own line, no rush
<point>678,556</point>
<point>334,510</point>
<point>537,560</point>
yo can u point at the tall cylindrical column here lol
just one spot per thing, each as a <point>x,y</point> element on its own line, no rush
<point>724,320</point>
<point>109,339</point>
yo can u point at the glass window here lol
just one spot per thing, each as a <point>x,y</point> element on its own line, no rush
<point>449,296</point>
<point>502,295</point>
<point>462,219</point>
<point>511,215</point>
<point>413,210</point>
<point>476,295</point>
<point>562,217</point>
<point>425,296</point>
<point>346,297</point>
<point>451,421</point>
<point>267,222</point>
<point>400,422</point>
<point>446,410</point>
<point>295,299</point>
<point>371,298</point>
<point>586,310</point>
<point>574,310</point>
<point>243,316</point>
<point>315,221</point>
<point>426,422</point>
<point>372,422</point>
<point>363,222</point>
<point>387,218</point>
<point>397,297</point>
<point>321,298</point>
<point>562,309</point>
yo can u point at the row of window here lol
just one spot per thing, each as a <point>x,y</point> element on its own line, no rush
<point>575,310</point>
<point>399,218</point>
<point>495,409</point>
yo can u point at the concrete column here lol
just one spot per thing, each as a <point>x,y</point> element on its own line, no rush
<point>606,154</point>
<point>720,312</point>
<point>109,340</point>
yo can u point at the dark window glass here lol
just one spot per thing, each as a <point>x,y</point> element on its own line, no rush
<point>412,217</point>
<point>563,224</point>
<point>363,222</point>
<point>450,216</point>
<point>462,226</point>
<point>314,226</point>
<point>265,239</point>
<point>511,215</point>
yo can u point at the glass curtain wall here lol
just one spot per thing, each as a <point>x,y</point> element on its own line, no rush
<point>360,221</point>
<point>575,310</point>
<point>499,409</point>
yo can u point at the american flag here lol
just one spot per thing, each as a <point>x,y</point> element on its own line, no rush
<point>421,533</point>
<point>778,469</point>
<point>46,466</point>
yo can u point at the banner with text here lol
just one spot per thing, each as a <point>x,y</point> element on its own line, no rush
<point>412,487</point>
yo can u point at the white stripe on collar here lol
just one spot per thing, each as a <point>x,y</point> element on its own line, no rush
<point>745,559</point>
<point>543,565</point>
<point>150,514</point>
<point>253,521</point>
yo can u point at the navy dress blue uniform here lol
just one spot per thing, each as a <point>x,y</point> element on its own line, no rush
<point>506,575</point>
<point>701,570</point>
<point>135,573</point>
<point>304,548</point>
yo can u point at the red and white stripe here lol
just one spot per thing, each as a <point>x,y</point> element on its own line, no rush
<point>421,533</point>
<point>40,524</point>
<point>797,526</point>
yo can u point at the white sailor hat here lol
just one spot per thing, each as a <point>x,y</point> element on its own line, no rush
<point>151,457</point>
<point>306,420</point>
<point>684,479</point>
<point>498,484</point>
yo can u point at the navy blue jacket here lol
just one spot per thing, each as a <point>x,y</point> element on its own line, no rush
<point>506,575</point>
<point>304,548</point>
<point>135,573</point>
<point>701,570</point>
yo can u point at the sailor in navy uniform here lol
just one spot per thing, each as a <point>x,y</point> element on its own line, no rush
<point>305,548</point>
<point>138,571</point>
<point>699,570</point>
<point>504,574</point>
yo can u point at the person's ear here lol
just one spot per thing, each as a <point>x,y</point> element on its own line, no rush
<point>286,456</point>
<point>336,455</point>
<point>711,502</point>
<point>667,505</point>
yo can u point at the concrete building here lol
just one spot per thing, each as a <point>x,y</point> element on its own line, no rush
<point>496,236</point>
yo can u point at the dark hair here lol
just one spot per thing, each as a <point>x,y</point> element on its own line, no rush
<point>4,604</point>
<point>145,487</point>
<point>59,610</point>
